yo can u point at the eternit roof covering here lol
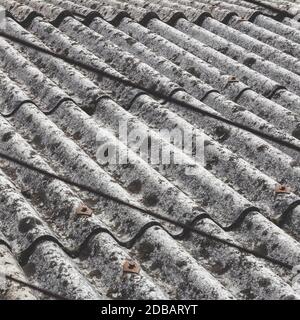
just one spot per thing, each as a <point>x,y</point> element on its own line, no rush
<point>232,57</point>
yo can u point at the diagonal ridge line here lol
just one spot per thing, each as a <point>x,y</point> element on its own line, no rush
<point>154,93</point>
<point>187,227</point>
<point>33,287</point>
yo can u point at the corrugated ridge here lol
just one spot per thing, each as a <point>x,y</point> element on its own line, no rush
<point>239,230</point>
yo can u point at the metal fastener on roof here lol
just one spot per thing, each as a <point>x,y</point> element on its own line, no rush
<point>131,267</point>
<point>232,79</point>
<point>241,19</point>
<point>84,210</point>
<point>279,188</point>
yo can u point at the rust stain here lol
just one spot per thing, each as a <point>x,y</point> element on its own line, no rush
<point>280,188</point>
<point>84,210</point>
<point>131,267</point>
<point>232,79</point>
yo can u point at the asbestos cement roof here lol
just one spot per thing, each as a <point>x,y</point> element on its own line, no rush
<point>234,58</point>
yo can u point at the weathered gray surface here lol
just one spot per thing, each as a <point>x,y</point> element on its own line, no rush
<point>52,112</point>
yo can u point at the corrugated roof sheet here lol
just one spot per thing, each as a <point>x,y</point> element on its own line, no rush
<point>231,57</point>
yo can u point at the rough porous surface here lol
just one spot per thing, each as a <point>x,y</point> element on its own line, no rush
<point>240,61</point>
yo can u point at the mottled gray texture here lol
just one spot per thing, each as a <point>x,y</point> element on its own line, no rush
<point>52,113</point>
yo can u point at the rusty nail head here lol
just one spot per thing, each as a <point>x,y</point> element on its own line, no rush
<point>131,267</point>
<point>232,79</point>
<point>84,210</point>
<point>280,188</point>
